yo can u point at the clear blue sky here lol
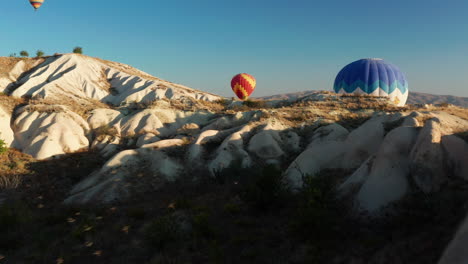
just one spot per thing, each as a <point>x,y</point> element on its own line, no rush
<point>288,46</point>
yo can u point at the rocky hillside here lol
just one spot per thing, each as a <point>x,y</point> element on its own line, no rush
<point>413,98</point>
<point>79,78</point>
<point>424,98</point>
<point>150,134</point>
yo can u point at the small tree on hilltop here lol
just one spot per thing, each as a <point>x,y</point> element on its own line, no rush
<point>39,53</point>
<point>78,50</point>
<point>24,53</point>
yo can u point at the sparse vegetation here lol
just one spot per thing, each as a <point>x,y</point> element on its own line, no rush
<point>24,53</point>
<point>255,103</point>
<point>106,130</point>
<point>78,50</point>
<point>242,219</point>
<point>162,231</point>
<point>243,215</point>
<point>13,167</point>
<point>3,147</point>
<point>39,53</point>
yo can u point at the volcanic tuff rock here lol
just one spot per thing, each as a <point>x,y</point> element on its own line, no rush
<point>153,131</point>
<point>413,98</point>
<point>81,78</point>
<point>6,133</point>
<point>143,126</point>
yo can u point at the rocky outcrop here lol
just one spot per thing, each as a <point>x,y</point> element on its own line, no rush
<point>6,133</point>
<point>384,177</point>
<point>456,151</point>
<point>75,76</point>
<point>266,143</point>
<point>44,131</point>
<point>230,151</point>
<point>333,132</point>
<point>364,141</point>
<point>427,166</point>
<point>120,176</point>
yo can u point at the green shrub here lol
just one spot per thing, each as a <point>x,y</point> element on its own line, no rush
<point>254,104</point>
<point>39,53</point>
<point>265,188</point>
<point>162,232</point>
<point>202,226</point>
<point>78,50</point>
<point>3,147</point>
<point>24,53</point>
<point>318,212</point>
<point>12,217</point>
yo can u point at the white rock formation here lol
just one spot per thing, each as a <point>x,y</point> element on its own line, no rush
<point>6,133</point>
<point>314,159</point>
<point>427,160</point>
<point>167,143</point>
<point>147,138</point>
<point>77,76</point>
<point>162,122</point>
<point>114,181</point>
<point>291,142</point>
<point>238,119</point>
<point>333,132</point>
<point>197,151</point>
<point>266,143</point>
<point>333,146</point>
<point>189,129</point>
<point>456,150</point>
<point>387,176</point>
<point>111,146</point>
<point>364,141</point>
<point>230,151</point>
<point>450,124</point>
<point>104,117</point>
<point>9,78</point>
<point>46,131</point>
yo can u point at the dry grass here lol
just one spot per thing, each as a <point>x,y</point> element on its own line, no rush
<point>80,106</point>
<point>104,82</point>
<point>45,108</point>
<point>8,63</point>
<point>456,111</point>
<point>13,165</point>
<point>103,131</point>
<point>188,104</point>
<point>9,103</point>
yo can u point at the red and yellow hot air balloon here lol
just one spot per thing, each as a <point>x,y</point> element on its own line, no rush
<point>36,3</point>
<point>243,85</point>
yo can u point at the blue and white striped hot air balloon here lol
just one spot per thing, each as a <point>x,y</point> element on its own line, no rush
<point>373,77</point>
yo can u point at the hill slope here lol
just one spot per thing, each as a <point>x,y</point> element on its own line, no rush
<point>147,173</point>
<point>81,78</point>
<point>413,98</point>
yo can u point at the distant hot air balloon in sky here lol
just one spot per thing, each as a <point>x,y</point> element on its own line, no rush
<point>243,85</point>
<point>373,77</point>
<point>36,3</point>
